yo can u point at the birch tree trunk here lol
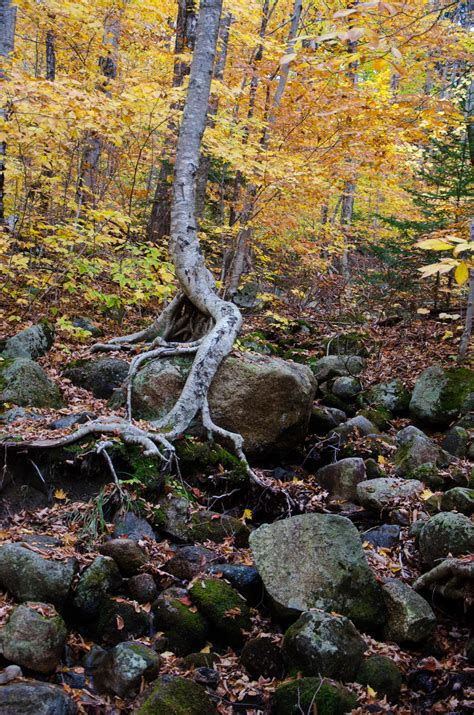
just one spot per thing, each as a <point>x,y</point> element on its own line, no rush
<point>7,42</point>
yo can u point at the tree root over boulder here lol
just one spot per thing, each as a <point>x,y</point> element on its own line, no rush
<point>453,578</point>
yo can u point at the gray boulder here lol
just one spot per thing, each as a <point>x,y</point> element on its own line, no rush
<point>455,441</point>
<point>323,644</point>
<point>176,696</point>
<point>317,561</point>
<point>132,526</point>
<point>34,637</point>
<point>346,388</point>
<point>35,698</point>
<point>358,426</point>
<point>387,492</point>
<point>392,396</point>
<point>98,579</point>
<point>29,577</point>
<point>409,617</point>
<point>440,394</point>
<point>101,377</point>
<point>341,478</point>
<point>325,418</point>
<point>30,343</point>
<point>337,366</point>
<point>23,382</point>
<point>127,554</point>
<point>122,668</point>
<point>416,449</point>
<point>188,561</point>
<point>444,534</point>
<point>266,399</point>
<point>458,499</point>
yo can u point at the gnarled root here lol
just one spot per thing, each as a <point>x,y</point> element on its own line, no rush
<point>458,575</point>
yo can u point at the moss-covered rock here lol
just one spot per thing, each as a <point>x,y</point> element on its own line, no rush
<point>24,382</point>
<point>458,499</point>
<point>122,668</point>
<point>34,637</point>
<point>445,533</point>
<point>223,607</point>
<point>261,657</point>
<point>172,695</point>
<point>29,577</point>
<point>440,393</point>
<point>30,343</point>
<point>391,396</point>
<point>101,377</point>
<point>185,630</point>
<point>416,449</point>
<point>121,620</point>
<point>323,644</point>
<point>455,441</point>
<point>98,579</point>
<point>378,415</point>
<point>126,553</point>
<point>382,675</point>
<point>300,695</point>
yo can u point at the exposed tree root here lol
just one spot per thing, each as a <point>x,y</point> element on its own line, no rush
<point>459,574</point>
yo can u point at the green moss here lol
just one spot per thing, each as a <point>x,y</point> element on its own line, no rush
<point>176,696</point>
<point>427,473</point>
<point>460,382</point>
<point>300,695</point>
<point>378,415</point>
<point>382,675</point>
<point>185,630</point>
<point>223,607</point>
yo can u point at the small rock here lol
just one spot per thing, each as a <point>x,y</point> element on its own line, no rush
<point>346,388</point>
<point>324,419</point>
<point>305,694</point>
<point>384,536</point>
<point>122,668</point>
<point>382,675</point>
<point>373,469</point>
<point>85,323</point>
<point>337,366</point>
<point>34,637</point>
<point>35,698</point>
<point>121,620</point>
<point>29,577</point>
<point>341,478</point>
<point>18,414</point>
<point>207,676</point>
<point>101,377</point>
<point>71,420</point>
<point>261,657</point>
<point>458,499</point>
<point>170,694</point>
<point>132,527</point>
<point>23,382</point>
<point>189,561</point>
<point>245,579</point>
<point>416,449</point>
<point>455,441</point>
<point>199,660</point>
<point>323,644</point>
<point>126,553</point>
<point>358,426</point>
<point>30,343</point>
<point>392,396</point>
<point>387,492</point>
<point>223,607</point>
<point>98,579</point>
<point>444,534</point>
<point>142,588</point>
<point>185,629</point>
<point>409,617</point>
<point>93,658</point>
<point>11,672</point>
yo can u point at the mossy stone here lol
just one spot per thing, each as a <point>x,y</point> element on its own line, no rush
<point>98,579</point>
<point>460,499</point>
<point>120,620</point>
<point>172,695</point>
<point>381,674</point>
<point>23,382</point>
<point>440,394</point>
<point>34,637</point>
<point>443,534</point>
<point>223,607</point>
<point>300,695</point>
<point>185,630</point>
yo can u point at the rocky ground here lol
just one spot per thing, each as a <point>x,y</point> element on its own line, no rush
<point>343,585</point>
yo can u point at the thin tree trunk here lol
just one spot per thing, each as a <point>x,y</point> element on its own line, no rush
<point>50,56</point>
<point>467,332</point>
<point>7,42</point>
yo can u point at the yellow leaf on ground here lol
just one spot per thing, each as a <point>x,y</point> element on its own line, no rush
<point>60,494</point>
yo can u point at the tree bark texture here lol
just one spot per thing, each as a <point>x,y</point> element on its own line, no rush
<point>7,42</point>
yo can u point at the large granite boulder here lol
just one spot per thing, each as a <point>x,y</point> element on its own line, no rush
<point>31,343</point>
<point>29,577</point>
<point>317,561</point>
<point>266,399</point>
<point>23,382</point>
<point>34,637</point>
<point>323,644</point>
<point>441,394</point>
